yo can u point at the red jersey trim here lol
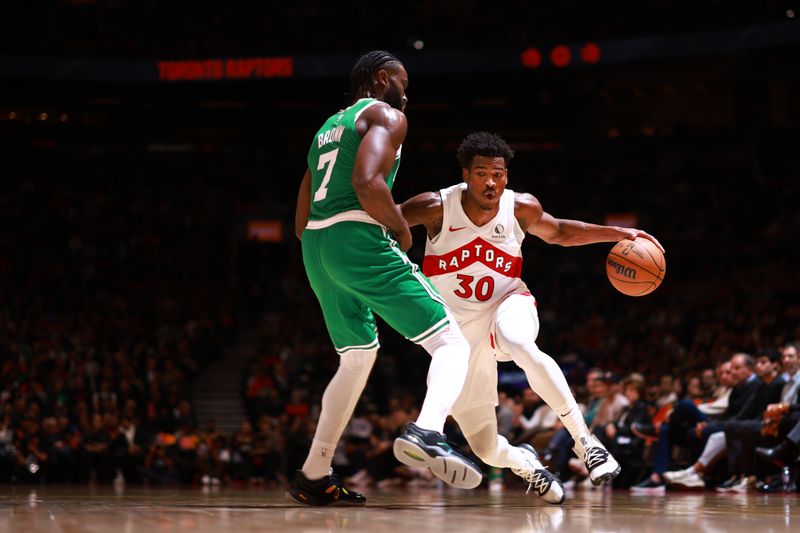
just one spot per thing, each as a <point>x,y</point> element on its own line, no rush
<point>476,251</point>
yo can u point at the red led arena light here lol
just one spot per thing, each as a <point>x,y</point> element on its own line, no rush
<point>560,56</point>
<point>590,53</point>
<point>531,58</point>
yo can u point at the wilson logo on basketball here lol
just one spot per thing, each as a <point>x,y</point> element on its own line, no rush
<point>622,270</point>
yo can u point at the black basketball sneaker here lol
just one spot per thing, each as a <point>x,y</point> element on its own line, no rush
<point>426,448</point>
<point>320,492</point>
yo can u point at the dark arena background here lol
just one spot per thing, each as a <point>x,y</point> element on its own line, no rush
<point>163,358</point>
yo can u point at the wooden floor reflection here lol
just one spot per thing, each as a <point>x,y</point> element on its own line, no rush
<point>135,510</point>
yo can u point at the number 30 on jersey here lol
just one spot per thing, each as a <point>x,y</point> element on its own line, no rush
<point>484,287</point>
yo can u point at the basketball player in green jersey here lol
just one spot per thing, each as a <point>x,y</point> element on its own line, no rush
<point>354,239</point>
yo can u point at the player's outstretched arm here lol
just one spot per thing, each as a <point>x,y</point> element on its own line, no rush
<point>567,232</point>
<point>425,209</point>
<point>303,205</point>
<point>386,130</point>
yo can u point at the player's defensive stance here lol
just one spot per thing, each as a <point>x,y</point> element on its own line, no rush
<point>354,239</point>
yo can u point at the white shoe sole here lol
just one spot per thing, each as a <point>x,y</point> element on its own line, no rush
<point>552,498</point>
<point>552,495</point>
<point>449,469</point>
<point>605,473</point>
<point>685,486</point>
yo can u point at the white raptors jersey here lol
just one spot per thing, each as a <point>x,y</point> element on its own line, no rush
<point>474,268</point>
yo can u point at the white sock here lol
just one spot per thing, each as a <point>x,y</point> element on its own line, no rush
<point>572,418</point>
<point>338,402</point>
<point>449,363</point>
<point>318,462</point>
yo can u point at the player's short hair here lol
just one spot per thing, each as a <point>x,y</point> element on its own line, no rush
<point>484,144</point>
<point>366,66</point>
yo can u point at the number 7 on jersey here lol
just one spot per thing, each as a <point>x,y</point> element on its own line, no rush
<point>329,159</point>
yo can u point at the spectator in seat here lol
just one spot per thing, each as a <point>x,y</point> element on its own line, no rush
<point>96,445</point>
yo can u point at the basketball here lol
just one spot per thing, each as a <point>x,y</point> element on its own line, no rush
<point>635,268</point>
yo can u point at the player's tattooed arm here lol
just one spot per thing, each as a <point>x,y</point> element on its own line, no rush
<point>425,209</point>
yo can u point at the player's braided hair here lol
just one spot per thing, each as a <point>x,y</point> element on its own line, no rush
<point>364,69</point>
<point>484,144</point>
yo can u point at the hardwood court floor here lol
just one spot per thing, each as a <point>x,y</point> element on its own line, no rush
<point>153,510</point>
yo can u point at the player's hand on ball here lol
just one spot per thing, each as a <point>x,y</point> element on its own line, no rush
<point>633,233</point>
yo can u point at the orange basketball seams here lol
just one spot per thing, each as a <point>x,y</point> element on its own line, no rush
<point>635,268</point>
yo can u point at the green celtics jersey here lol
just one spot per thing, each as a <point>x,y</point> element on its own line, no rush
<point>331,159</point>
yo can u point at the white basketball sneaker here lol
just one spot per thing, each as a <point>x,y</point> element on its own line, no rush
<point>691,481</point>
<point>674,476</point>
<point>601,465</point>
<point>540,480</point>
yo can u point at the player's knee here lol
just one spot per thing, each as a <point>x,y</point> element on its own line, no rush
<point>358,359</point>
<point>446,337</point>
<point>519,345</point>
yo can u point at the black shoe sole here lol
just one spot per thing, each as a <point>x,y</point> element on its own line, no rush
<point>338,503</point>
<point>289,496</point>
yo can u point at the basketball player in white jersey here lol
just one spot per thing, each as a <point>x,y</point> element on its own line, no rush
<point>475,231</point>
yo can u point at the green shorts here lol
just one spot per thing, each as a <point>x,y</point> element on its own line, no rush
<point>356,268</point>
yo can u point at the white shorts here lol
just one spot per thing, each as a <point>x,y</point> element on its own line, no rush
<point>480,387</point>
